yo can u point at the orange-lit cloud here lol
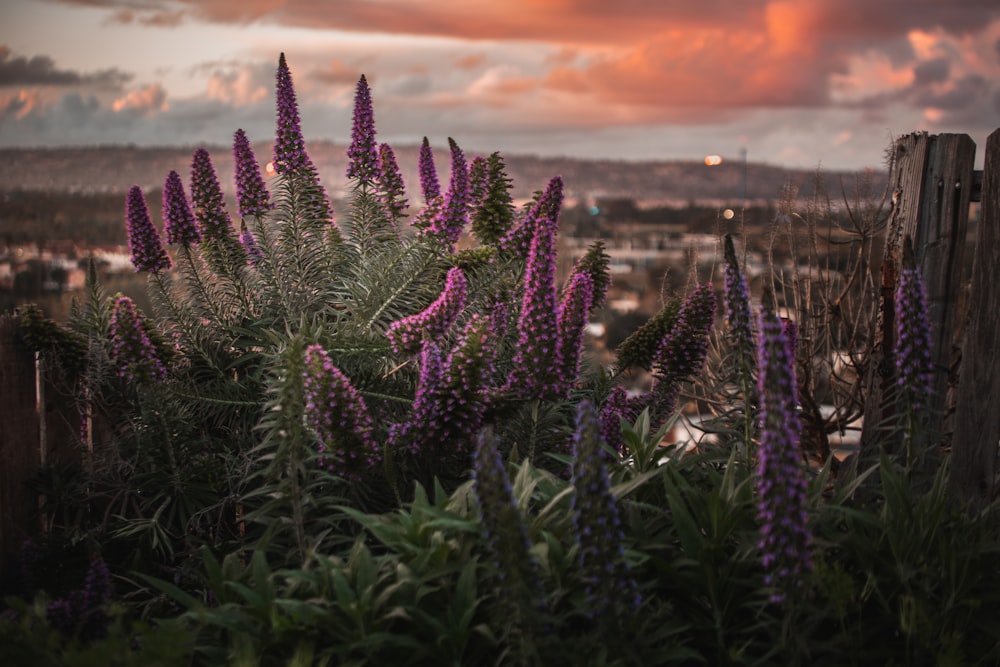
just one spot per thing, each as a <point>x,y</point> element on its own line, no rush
<point>236,88</point>
<point>146,100</point>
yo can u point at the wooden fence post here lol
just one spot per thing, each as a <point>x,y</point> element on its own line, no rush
<point>932,185</point>
<point>19,440</point>
<point>977,409</point>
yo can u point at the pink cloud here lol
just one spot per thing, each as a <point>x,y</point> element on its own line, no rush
<point>146,100</point>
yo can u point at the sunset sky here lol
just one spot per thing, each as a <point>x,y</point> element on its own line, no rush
<point>794,82</point>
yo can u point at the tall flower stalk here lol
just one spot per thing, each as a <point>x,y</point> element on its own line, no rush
<point>178,220</point>
<point>608,582</point>
<point>391,191</point>
<point>252,197</point>
<point>143,239</point>
<point>741,339</point>
<point>407,335</point>
<point>574,312</point>
<point>454,214</point>
<point>337,413</point>
<point>362,154</point>
<point>429,185</point>
<point>914,363</point>
<point>533,374</point>
<point>132,351</point>
<point>780,483</point>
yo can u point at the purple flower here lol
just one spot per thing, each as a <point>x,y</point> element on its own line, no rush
<point>545,211</point>
<point>392,194</point>
<point>131,349</point>
<point>534,373</point>
<point>178,220</point>
<point>143,239</point>
<point>411,434</point>
<point>289,147</point>
<point>337,413</point>
<point>429,185</point>
<point>606,574</point>
<point>251,195</point>
<point>455,213</point>
<point>505,533</point>
<point>362,155</point>
<point>451,397</point>
<point>780,483</point>
<point>574,311</point>
<point>914,364</point>
<point>254,254</point>
<point>640,348</point>
<point>209,206</point>
<point>406,335</point>
<point>616,407</point>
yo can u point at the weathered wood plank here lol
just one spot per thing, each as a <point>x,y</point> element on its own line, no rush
<point>932,184</point>
<point>977,411</point>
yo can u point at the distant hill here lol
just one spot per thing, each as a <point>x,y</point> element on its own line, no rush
<point>113,169</point>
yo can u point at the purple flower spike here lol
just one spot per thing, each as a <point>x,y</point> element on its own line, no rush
<point>251,195</point>
<point>544,211</point>
<point>337,413</point>
<point>574,311</point>
<point>407,335</point>
<point>429,185</point>
<point>289,147</point>
<point>391,190</point>
<point>534,374</point>
<point>179,223</point>
<point>206,195</point>
<point>410,435</point>
<point>599,535</point>
<point>914,365</point>
<point>455,214</point>
<point>131,350</point>
<point>362,155</point>
<point>780,484</point>
<point>143,239</point>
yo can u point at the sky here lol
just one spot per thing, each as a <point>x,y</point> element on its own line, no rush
<point>797,83</point>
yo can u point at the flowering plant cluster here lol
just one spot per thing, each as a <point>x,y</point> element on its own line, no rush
<point>131,350</point>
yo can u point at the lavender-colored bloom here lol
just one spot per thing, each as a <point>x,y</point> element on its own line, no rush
<point>131,349</point>
<point>640,348</point>
<point>781,483</point>
<point>451,397</point>
<point>429,185</point>
<point>249,243</point>
<point>505,533</point>
<point>337,413</point>
<point>251,195</point>
<point>178,220</point>
<point>411,434</point>
<point>534,373</point>
<point>143,239</point>
<point>914,364</point>
<point>574,311</point>
<point>454,215</point>
<point>407,334</point>
<point>209,205</point>
<point>392,193</point>
<point>362,155</point>
<point>425,218</point>
<point>544,211</point>
<point>607,577</point>
<point>289,147</point>
<point>616,407</point>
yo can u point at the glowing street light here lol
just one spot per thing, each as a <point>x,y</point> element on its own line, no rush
<point>713,160</point>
